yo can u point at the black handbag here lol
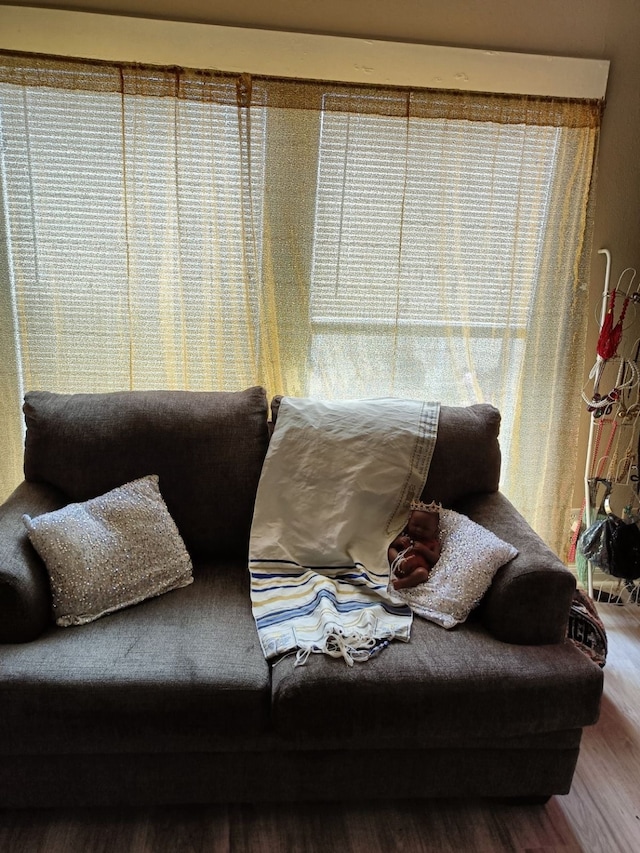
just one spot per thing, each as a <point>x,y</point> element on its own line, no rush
<point>592,544</point>
<point>622,542</point>
<point>613,545</point>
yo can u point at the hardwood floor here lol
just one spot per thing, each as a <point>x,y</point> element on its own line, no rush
<point>600,815</point>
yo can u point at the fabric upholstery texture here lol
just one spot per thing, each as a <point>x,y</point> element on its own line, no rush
<point>171,674</point>
<point>530,598</point>
<point>185,673</point>
<point>445,683</point>
<point>25,593</point>
<point>467,458</point>
<point>110,552</point>
<point>267,776</point>
<point>206,447</point>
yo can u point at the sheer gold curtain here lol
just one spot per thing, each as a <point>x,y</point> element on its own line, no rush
<point>133,210</point>
<point>545,428</point>
<point>184,229</point>
<point>451,262</point>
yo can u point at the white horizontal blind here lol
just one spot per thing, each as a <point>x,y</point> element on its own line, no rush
<point>429,222</point>
<point>126,226</point>
<point>62,176</point>
<point>428,238</point>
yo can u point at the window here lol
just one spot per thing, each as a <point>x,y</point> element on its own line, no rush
<point>183,229</point>
<point>439,228</point>
<point>125,220</point>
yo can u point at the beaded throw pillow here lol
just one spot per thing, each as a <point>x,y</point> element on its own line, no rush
<point>470,557</point>
<point>110,552</point>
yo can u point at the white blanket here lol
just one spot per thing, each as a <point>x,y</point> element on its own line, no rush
<point>334,492</point>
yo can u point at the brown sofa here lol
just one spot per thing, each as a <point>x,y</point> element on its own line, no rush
<point>172,700</point>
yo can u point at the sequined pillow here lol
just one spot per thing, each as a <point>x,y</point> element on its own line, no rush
<point>110,552</point>
<point>470,557</point>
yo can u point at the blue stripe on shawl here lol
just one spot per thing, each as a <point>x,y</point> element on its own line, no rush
<point>349,580</point>
<point>319,569</point>
<point>345,607</point>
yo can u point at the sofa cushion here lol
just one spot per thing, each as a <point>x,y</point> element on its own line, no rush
<point>466,459</point>
<point>110,552</point>
<point>441,688</point>
<point>183,672</point>
<point>470,557</point>
<point>206,447</point>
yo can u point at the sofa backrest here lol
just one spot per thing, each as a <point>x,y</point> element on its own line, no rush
<point>206,447</point>
<point>466,459</point>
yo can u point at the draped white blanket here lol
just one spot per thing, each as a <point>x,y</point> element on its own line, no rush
<point>335,490</point>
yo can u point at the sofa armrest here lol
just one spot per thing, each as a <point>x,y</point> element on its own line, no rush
<point>530,598</point>
<point>25,594</point>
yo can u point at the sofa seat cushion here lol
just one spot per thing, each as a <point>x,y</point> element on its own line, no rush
<point>440,688</point>
<point>182,672</point>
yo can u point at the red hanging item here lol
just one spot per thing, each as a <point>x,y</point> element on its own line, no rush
<point>610,335</point>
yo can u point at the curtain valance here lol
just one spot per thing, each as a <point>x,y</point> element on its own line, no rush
<point>210,86</point>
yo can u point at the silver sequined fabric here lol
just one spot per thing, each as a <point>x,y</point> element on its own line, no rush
<point>471,555</point>
<point>110,552</point>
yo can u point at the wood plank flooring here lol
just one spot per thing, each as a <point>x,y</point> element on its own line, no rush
<point>601,814</point>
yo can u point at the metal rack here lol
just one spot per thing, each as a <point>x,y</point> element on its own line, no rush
<point>614,415</point>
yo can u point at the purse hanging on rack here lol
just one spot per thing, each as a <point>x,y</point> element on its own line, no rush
<point>612,545</point>
<point>622,541</point>
<point>592,544</point>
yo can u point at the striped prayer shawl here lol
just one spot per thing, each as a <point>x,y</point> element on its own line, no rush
<point>334,492</point>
